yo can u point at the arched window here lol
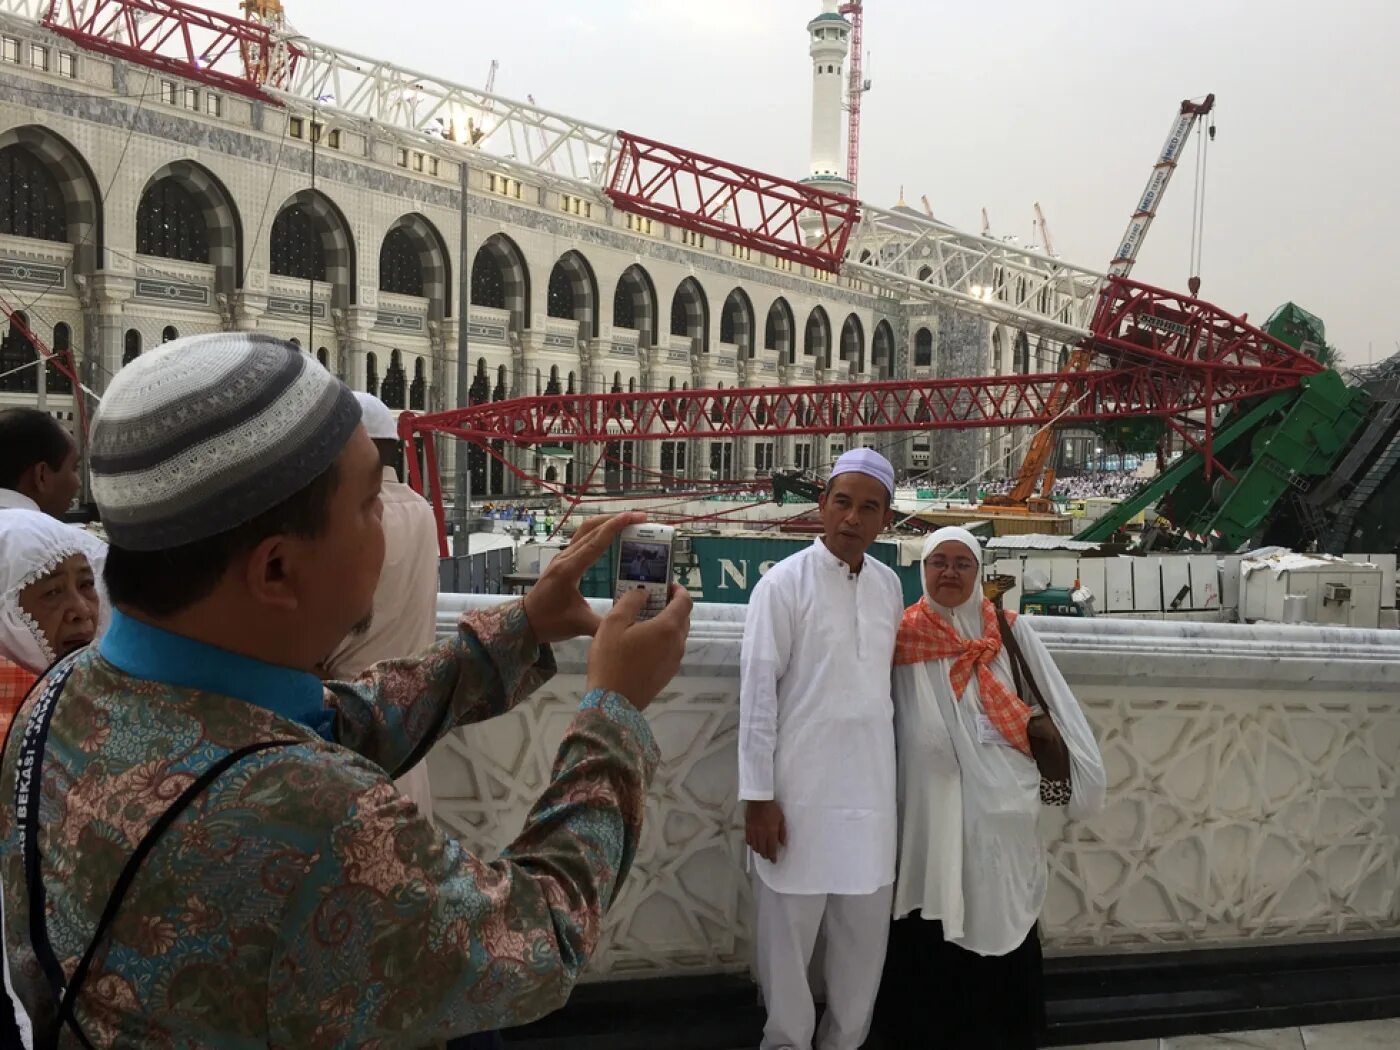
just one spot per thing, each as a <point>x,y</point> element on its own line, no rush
<point>499,394</point>
<point>371,374</point>
<point>680,317</point>
<point>324,356</point>
<point>553,387</point>
<point>624,308</point>
<point>62,346</point>
<point>395,382</point>
<point>31,203</point>
<point>561,294</point>
<point>488,282</point>
<point>923,348</point>
<point>169,334</point>
<point>480,389</point>
<point>296,247</point>
<point>19,372</point>
<point>570,388</point>
<point>418,389</point>
<point>400,267</point>
<point>617,383</point>
<point>131,347</point>
<point>539,383</point>
<point>170,224</point>
<point>632,385</point>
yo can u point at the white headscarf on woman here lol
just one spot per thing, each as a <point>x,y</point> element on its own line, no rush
<point>32,544</point>
<point>970,852</point>
<point>967,617</point>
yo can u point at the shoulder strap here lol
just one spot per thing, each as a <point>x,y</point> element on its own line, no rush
<point>128,875</point>
<point>1020,669</point>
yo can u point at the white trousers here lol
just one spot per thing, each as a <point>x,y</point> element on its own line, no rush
<point>856,929</point>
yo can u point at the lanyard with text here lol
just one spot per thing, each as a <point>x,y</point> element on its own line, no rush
<point>28,783</point>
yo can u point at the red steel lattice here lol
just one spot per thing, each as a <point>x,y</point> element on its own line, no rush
<point>211,48</point>
<point>737,204</point>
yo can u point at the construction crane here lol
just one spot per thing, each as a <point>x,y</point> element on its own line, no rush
<point>544,139</point>
<point>856,87</point>
<point>1222,386</point>
<point>1043,231</point>
<point>1036,472</point>
<point>986,224</point>
<point>923,199</point>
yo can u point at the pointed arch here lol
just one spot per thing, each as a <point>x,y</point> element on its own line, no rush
<point>882,350</point>
<point>690,313</point>
<point>395,385</point>
<point>187,213</point>
<point>736,322</point>
<point>635,304</point>
<point>71,202</point>
<point>816,339</point>
<point>501,279</point>
<point>413,260</point>
<point>311,240</point>
<point>779,331</point>
<point>853,343</point>
<point>573,292</point>
<point>923,348</point>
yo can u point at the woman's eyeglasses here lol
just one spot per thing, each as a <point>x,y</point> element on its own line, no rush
<point>961,565</point>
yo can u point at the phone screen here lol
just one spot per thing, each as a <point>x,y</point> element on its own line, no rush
<point>643,561</point>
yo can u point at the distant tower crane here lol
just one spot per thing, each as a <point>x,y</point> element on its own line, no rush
<point>1044,232</point>
<point>856,87</point>
<point>1039,455</point>
<point>986,224</point>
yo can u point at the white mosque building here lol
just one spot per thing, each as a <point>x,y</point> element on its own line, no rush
<point>137,206</point>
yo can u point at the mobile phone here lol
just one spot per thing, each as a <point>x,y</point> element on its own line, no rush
<point>644,557</point>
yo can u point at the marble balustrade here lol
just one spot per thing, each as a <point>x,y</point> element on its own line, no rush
<point>1252,791</point>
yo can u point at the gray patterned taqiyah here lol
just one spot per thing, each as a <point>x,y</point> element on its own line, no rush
<point>206,433</point>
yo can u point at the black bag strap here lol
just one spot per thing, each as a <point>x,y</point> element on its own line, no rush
<point>128,875</point>
<point>1020,669</point>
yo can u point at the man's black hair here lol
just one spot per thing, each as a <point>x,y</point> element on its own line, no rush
<point>27,437</point>
<point>163,583</point>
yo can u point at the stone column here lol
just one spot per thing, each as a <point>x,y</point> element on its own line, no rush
<point>109,295</point>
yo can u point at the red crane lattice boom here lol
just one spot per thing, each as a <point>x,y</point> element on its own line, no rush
<point>855,91</point>
<point>231,53</point>
<point>718,199</point>
<point>1156,353</point>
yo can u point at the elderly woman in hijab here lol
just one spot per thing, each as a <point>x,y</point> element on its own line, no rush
<point>48,601</point>
<point>974,748</point>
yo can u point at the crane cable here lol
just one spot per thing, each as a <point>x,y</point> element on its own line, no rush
<point>1204,137</point>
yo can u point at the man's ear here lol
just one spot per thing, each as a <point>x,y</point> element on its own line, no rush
<point>269,573</point>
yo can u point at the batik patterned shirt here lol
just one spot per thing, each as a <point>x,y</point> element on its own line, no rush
<point>302,901</point>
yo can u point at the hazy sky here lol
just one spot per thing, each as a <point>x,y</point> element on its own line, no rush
<point>1000,105</point>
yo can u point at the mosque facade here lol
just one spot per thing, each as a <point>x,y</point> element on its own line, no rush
<point>137,207</point>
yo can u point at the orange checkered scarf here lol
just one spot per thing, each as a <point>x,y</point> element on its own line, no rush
<point>924,635</point>
<point>14,687</point>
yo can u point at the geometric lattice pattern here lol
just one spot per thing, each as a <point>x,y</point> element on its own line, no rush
<point>685,906</point>
<point>1238,811</point>
<point>1232,817</point>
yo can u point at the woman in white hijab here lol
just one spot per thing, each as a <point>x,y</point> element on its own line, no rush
<point>963,964</point>
<point>48,601</point>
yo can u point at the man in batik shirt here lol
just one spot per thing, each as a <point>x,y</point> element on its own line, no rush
<point>299,900</point>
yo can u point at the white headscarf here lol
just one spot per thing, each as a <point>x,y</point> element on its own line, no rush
<point>32,545</point>
<point>967,617</point>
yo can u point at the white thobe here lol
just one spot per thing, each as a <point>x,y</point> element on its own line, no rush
<point>405,605</point>
<point>970,852</point>
<point>816,734</point>
<point>816,723</point>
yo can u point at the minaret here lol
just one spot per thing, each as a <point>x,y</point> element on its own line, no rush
<point>830,45</point>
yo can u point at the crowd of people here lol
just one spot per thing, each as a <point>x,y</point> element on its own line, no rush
<point>215,824</point>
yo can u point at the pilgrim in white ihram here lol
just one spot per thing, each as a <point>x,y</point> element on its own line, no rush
<point>817,737</point>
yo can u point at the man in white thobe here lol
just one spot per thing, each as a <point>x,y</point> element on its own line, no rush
<point>404,620</point>
<point>817,763</point>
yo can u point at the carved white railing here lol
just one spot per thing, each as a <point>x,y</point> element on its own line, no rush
<point>1252,791</point>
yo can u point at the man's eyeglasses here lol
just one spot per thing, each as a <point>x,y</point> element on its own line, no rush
<point>960,565</point>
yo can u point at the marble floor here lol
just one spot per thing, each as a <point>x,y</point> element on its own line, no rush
<point>1360,1035</point>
